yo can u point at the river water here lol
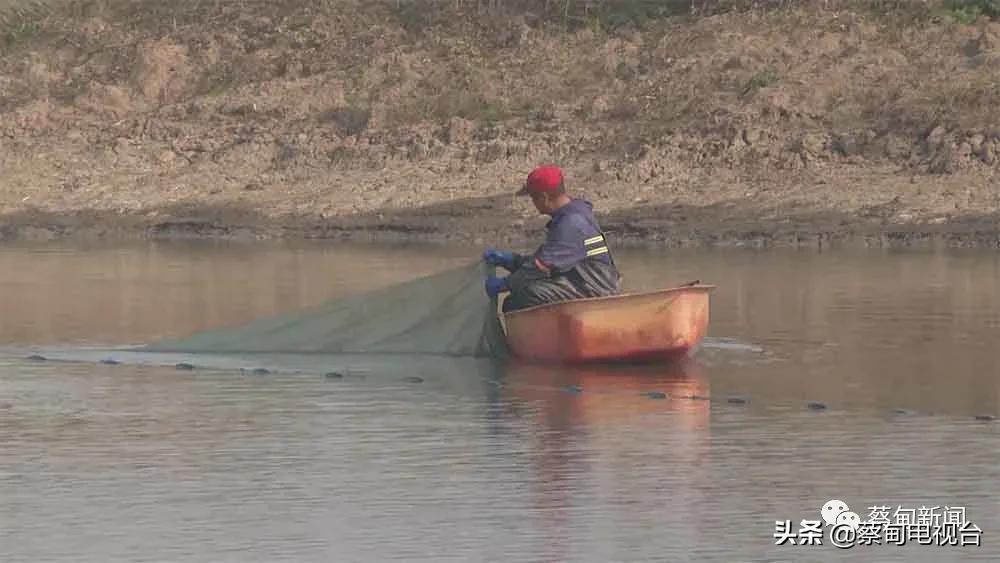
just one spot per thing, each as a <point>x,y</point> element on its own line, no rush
<point>454,460</point>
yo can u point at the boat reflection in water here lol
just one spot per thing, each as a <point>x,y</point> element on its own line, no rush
<point>609,394</point>
<point>607,441</point>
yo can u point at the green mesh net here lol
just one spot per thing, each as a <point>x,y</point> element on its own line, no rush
<point>444,314</point>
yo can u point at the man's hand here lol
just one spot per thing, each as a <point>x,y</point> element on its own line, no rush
<point>543,267</point>
<point>499,258</point>
<point>495,285</point>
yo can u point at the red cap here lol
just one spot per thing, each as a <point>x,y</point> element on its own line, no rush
<point>542,179</point>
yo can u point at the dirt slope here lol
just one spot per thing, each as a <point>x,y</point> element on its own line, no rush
<point>307,118</point>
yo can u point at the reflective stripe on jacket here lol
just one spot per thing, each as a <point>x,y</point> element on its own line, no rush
<point>573,236</point>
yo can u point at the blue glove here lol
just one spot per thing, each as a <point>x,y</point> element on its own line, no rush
<point>499,258</point>
<point>495,285</point>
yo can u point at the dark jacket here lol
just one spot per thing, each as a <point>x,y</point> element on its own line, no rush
<point>572,236</point>
<point>577,257</point>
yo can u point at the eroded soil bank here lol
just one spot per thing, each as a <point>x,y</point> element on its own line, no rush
<point>791,125</point>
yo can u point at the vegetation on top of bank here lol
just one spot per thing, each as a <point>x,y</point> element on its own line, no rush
<point>22,20</point>
<point>415,15</point>
<point>968,11</point>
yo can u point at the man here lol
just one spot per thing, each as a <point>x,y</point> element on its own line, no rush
<point>574,262</point>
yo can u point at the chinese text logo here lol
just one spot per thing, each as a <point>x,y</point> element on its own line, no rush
<point>884,525</point>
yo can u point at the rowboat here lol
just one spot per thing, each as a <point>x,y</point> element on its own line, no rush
<point>636,327</point>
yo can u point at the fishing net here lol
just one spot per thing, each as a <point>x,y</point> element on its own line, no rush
<point>444,314</point>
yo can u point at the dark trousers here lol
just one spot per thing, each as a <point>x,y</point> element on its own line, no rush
<point>530,286</point>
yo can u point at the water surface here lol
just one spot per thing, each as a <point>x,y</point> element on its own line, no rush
<point>442,459</point>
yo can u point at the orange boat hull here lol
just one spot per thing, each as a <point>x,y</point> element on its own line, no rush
<point>654,326</point>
